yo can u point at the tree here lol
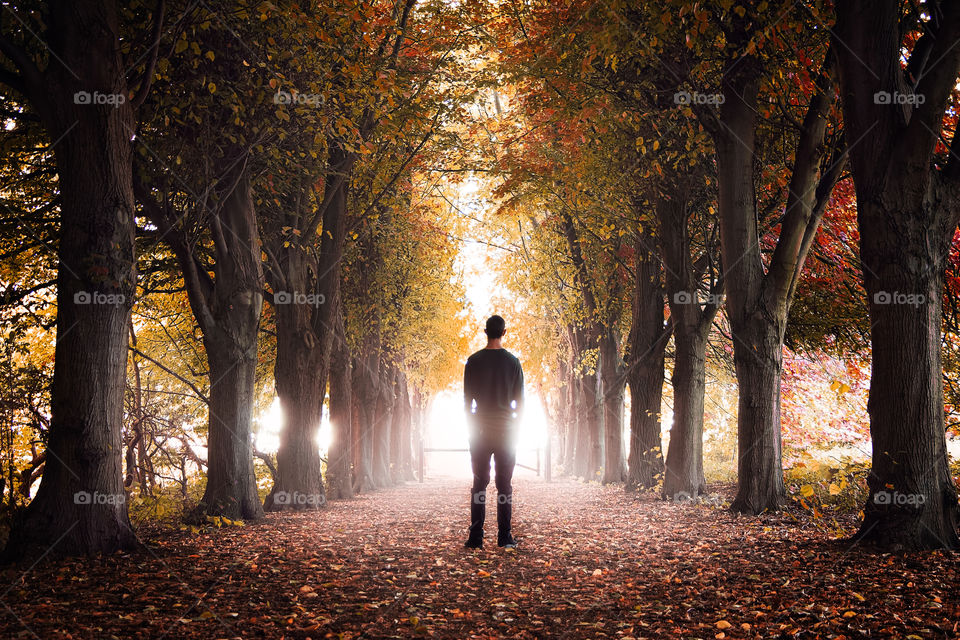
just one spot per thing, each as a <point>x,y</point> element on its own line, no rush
<point>907,183</point>
<point>83,98</point>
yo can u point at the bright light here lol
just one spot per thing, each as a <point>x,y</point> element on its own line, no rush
<point>271,424</point>
<point>447,429</point>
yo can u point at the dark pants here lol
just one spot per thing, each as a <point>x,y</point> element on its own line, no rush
<point>482,446</point>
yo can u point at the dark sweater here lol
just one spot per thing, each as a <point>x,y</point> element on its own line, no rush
<point>493,379</point>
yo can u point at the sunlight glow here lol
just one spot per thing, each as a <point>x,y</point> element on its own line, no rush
<point>270,424</point>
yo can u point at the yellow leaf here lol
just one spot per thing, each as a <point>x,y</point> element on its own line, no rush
<point>806,491</point>
<point>723,624</point>
<point>212,87</point>
<point>834,489</point>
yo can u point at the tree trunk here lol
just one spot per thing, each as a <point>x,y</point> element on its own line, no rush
<point>382,427</point>
<point>907,215</point>
<point>757,352</point>
<point>758,363</point>
<point>365,393</point>
<point>683,477</point>
<point>648,340</point>
<point>231,483</point>
<point>339,473</point>
<point>80,507</point>
<point>231,324</point>
<point>614,468</point>
<point>300,374</point>
<point>913,501</point>
<point>402,414</point>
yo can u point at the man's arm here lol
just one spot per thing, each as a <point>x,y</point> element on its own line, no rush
<point>518,391</point>
<point>467,389</point>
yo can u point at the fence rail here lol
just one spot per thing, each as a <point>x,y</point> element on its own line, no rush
<point>546,467</point>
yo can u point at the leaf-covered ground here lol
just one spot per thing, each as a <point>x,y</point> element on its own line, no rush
<point>592,563</point>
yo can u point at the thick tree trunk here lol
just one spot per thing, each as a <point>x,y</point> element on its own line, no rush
<point>907,214</point>
<point>758,363</point>
<point>402,458</point>
<point>80,507</point>
<point>613,382</point>
<point>592,425</point>
<point>648,341</point>
<point>645,461</point>
<point>683,477</point>
<point>913,501</point>
<point>231,325</point>
<point>231,489</point>
<point>339,458</point>
<point>365,393</point>
<point>756,346</point>
<point>300,374</point>
<point>382,427</point>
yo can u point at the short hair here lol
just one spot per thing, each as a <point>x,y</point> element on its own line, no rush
<point>495,327</point>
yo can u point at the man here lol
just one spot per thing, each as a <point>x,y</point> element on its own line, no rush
<point>493,400</point>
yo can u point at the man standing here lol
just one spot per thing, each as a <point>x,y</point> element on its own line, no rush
<point>493,400</point>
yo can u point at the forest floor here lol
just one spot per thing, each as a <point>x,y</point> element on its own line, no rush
<point>593,562</point>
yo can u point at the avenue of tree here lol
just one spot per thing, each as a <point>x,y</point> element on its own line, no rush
<point>206,206</point>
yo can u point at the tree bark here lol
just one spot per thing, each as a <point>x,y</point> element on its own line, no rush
<point>80,506</point>
<point>757,302</point>
<point>648,341</point>
<point>684,477</point>
<point>229,314</point>
<point>382,427</point>
<point>613,382</point>
<point>907,215</point>
<point>339,458</point>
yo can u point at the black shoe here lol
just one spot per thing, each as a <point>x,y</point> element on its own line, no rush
<point>507,543</point>
<point>473,544</point>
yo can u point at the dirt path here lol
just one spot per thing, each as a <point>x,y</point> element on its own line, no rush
<point>592,563</point>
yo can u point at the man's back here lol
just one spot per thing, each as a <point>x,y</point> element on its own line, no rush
<point>493,379</point>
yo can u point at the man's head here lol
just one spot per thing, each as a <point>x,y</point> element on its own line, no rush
<point>495,327</point>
